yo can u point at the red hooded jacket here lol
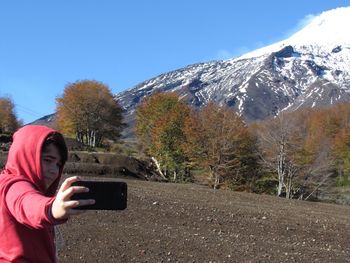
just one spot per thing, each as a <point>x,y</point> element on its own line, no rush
<point>26,222</point>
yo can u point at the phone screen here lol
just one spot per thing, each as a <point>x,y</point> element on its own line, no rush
<point>108,195</point>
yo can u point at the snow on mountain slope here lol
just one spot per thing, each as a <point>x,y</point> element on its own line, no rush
<point>309,69</point>
<point>321,34</point>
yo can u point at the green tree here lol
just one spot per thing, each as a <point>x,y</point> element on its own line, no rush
<point>88,111</point>
<point>159,127</point>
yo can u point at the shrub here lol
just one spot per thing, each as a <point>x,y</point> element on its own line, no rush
<point>266,185</point>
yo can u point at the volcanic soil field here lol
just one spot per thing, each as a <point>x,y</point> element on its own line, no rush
<point>167,222</point>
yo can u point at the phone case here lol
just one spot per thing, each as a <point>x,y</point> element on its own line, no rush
<point>108,195</point>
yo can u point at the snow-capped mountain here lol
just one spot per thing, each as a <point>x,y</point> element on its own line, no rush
<point>309,69</point>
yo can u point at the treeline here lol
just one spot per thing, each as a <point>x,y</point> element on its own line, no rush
<point>180,140</point>
<point>304,149</point>
<point>291,155</point>
<point>86,111</point>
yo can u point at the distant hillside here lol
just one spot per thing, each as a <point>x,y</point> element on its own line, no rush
<point>47,120</point>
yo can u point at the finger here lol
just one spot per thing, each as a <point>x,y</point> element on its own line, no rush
<point>77,203</point>
<point>67,194</point>
<point>86,202</point>
<point>68,182</point>
<point>71,204</point>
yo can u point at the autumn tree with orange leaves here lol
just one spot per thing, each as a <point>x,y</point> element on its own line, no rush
<point>8,119</point>
<point>218,140</point>
<point>335,124</point>
<point>88,111</point>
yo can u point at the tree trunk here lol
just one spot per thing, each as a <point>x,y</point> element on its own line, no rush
<point>79,136</point>
<point>212,175</point>
<point>158,168</point>
<point>281,168</point>
<point>289,187</point>
<point>93,138</point>
<point>217,181</point>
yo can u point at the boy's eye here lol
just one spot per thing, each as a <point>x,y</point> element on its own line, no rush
<point>48,160</point>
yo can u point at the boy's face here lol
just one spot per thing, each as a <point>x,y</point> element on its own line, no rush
<point>50,164</point>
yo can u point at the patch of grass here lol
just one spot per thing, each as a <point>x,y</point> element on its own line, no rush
<point>343,181</point>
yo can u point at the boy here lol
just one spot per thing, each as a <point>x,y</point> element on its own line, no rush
<point>29,208</point>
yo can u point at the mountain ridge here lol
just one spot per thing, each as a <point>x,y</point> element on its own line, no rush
<point>297,72</point>
<point>311,68</point>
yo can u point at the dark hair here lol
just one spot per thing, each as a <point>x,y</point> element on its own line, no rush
<point>57,139</point>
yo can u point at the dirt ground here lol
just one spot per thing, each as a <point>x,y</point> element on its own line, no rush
<point>167,222</point>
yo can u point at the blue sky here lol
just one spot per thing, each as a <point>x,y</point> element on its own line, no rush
<point>44,45</point>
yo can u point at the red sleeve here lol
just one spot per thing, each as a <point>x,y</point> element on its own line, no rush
<point>29,206</point>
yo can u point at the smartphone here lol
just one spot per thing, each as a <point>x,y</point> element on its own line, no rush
<point>108,195</point>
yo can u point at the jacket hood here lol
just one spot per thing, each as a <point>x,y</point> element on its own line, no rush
<point>24,158</point>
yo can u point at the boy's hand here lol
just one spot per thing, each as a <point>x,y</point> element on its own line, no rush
<point>62,206</point>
